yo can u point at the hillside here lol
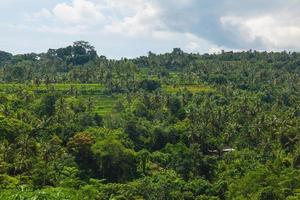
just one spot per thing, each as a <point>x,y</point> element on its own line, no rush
<point>77,125</point>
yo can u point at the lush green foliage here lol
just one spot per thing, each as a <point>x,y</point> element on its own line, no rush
<point>75,125</point>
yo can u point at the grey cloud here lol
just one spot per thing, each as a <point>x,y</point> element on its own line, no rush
<point>202,18</point>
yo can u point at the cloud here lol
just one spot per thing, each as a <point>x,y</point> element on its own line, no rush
<point>77,18</point>
<point>272,31</point>
<point>140,25</point>
<point>42,14</point>
<point>149,20</point>
<point>144,22</point>
<point>80,11</point>
<point>124,7</point>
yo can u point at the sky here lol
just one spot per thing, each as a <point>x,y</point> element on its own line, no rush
<point>131,28</point>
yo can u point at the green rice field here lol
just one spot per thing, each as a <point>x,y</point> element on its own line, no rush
<point>103,103</point>
<point>191,88</point>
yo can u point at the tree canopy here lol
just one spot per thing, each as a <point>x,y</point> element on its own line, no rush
<point>77,125</point>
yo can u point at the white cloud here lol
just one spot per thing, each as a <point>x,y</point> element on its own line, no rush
<point>274,31</point>
<point>145,21</point>
<point>40,15</point>
<point>123,6</point>
<point>79,17</point>
<point>79,12</point>
<point>197,44</point>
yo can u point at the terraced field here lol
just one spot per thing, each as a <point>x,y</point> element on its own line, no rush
<point>103,103</point>
<point>62,87</point>
<point>191,88</point>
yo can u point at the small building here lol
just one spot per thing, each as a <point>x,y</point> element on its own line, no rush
<point>221,152</point>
